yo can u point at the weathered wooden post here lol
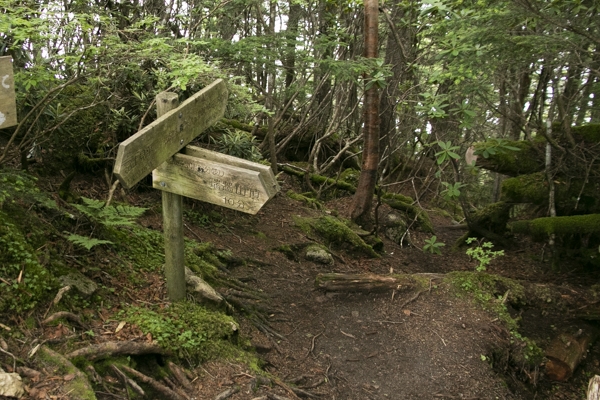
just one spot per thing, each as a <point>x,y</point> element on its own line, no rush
<point>197,173</point>
<point>172,207</point>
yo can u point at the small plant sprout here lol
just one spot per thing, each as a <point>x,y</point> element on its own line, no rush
<point>433,246</point>
<point>482,253</point>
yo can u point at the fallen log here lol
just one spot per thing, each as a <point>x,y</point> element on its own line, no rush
<point>110,349</point>
<point>334,282</point>
<point>566,351</point>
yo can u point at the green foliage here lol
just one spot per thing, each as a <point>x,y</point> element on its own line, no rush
<point>448,151</point>
<point>482,253</point>
<point>493,293</point>
<point>239,144</point>
<point>433,246</point>
<point>494,146</point>
<point>24,280</point>
<point>121,215</point>
<point>86,242</point>
<point>452,191</point>
<point>188,330</point>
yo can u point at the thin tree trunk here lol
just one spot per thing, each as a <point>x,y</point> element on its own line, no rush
<point>363,199</point>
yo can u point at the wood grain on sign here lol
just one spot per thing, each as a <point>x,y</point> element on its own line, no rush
<point>153,145</point>
<point>266,173</point>
<point>213,182</point>
<point>8,102</point>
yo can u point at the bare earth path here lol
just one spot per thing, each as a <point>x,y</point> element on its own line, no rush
<point>390,345</point>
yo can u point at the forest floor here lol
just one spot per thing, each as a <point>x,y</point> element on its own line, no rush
<point>420,343</point>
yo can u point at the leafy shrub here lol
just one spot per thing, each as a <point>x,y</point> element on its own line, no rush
<point>239,144</point>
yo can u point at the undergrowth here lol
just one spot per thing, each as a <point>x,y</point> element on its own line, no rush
<point>494,293</point>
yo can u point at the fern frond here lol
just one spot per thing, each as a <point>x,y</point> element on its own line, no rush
<point>86,242</point>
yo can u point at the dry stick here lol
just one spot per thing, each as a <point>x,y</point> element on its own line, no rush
<point>66,315</point>
<point>312,347</point>
<point>228,393</point>
<point>13,357</point>
<point>159,387</point>
<point>111,192</point>
<point>411,299</point>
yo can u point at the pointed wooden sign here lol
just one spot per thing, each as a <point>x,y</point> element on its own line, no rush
<point>153,145</point>
<point>218,179</point>
<point>8,104</point>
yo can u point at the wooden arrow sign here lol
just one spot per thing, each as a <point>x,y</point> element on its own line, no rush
<point>243,189</point>
<point>8,104</point>
<point>266,173</point>
<point>153,145</point>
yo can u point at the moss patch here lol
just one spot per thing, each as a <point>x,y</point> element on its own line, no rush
<point>541,228</point>
<point>189,331</point>
<point>404,203</point>
<point>334,231</point>
<point>306,198</point>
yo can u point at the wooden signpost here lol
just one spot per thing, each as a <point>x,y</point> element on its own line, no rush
<point>8,104</point>
<point>157,142</point>
<point>197,173</point>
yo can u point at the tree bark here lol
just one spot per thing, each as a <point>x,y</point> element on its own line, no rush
<point>363,199</point>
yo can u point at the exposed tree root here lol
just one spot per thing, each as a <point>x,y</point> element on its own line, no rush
<point>159,387</point>
<point>111,349</point>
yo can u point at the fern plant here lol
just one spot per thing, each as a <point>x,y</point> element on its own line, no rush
<point>98,212</point>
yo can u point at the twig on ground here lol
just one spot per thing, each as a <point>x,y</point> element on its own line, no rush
<point>66,315</point>
<point>312,347</point>
<point>228,393</point>
<point>411,299</point>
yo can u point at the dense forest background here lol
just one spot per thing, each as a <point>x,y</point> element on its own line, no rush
<point>446,75</point>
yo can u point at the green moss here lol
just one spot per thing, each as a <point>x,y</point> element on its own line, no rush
<point>541,228</point>
<point>306,198</point>
<point>509,162</point>
<point>18,259</point>
<point>404,203</point>
<point>589,133</point>
<point>334,231</point>
<point>494,217</point>
<point>188,330</point>
<point>350,175</point>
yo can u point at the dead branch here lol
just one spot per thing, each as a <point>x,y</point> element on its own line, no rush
<point>66,315</point>
<point>228,393</point>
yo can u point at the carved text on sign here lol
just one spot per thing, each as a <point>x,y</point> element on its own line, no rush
<point>213,182</point>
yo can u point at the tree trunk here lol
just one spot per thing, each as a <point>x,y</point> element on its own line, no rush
<point>363,199</point>
<point>593,392</point>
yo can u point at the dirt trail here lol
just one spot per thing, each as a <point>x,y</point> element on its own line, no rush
<point>390,345</point>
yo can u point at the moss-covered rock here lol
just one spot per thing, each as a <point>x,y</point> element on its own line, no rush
<point>334,231</point>
<point>493,217</point>
<point>404,203</point>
